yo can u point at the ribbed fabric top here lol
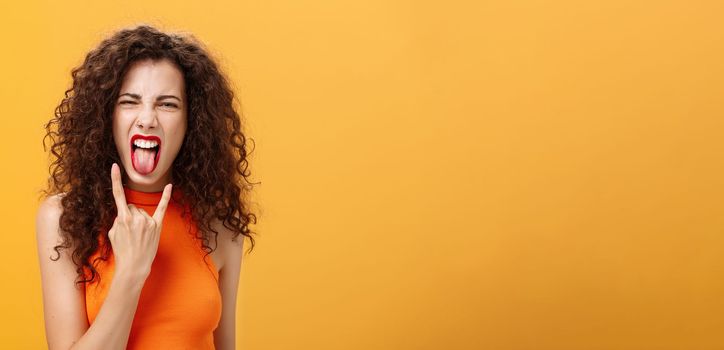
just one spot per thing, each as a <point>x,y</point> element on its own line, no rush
<point>180,303</point>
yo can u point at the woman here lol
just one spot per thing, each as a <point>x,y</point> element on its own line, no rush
<point>148,171</point>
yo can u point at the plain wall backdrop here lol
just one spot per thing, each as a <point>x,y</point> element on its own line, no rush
<point>435,175</point>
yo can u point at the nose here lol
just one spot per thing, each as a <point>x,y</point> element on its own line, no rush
<point>147,118</point>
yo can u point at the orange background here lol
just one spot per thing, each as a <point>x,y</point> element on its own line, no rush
<point>435,175</point>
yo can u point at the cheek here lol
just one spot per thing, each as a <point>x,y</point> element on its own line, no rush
<point>120,127</point>
<point>177,139</point>
<point>120,122</point>
<point>174,133</point>
<point>116,132</point>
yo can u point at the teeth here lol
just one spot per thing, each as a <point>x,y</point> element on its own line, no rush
<point>145,144</point>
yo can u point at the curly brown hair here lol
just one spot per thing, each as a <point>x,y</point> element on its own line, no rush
<point>208,170</point>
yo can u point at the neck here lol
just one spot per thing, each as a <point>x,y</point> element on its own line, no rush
<point>156,186</point>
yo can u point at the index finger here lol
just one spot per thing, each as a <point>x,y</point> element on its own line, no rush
<point>118,194</point>
<point>163,204</point>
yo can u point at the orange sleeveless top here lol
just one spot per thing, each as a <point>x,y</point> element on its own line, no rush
<point>180,303</point>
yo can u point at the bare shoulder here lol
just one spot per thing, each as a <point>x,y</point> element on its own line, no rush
<point>226,236</point>
<point>50,204</point>
<point>47,231</point>
<point>229,248</point>
<point>47,219</point>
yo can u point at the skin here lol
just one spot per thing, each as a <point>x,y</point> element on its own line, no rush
<point>151,101</point>
<point>145,106</point>
<point>144,112</point>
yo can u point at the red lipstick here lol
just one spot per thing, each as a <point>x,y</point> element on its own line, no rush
<point>147,138</point>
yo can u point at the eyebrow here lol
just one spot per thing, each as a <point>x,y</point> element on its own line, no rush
<point>161,97</point>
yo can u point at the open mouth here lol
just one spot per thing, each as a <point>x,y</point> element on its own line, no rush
<point>145,153</point>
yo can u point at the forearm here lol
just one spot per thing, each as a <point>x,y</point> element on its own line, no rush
<point>111,327</point>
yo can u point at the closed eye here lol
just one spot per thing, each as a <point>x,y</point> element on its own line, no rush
<point>167,104</point>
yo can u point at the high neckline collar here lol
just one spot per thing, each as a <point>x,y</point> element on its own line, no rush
<point>144,198</point>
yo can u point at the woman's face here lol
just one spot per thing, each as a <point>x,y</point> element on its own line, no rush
<point>149,122</point>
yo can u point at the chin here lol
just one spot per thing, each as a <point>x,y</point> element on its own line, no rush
<point>145,179</point>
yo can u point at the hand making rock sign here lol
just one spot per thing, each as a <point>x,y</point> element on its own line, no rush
<point>135,235</point>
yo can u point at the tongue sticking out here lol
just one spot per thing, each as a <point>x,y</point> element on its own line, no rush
<point>144,160</point>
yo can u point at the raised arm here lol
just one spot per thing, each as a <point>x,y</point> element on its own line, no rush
<point>66,321</point>
<point>134,239</point>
